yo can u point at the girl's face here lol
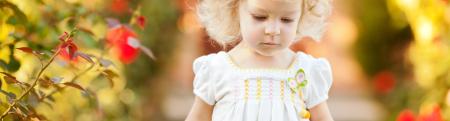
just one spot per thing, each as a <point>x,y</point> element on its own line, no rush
<point>268,26</point>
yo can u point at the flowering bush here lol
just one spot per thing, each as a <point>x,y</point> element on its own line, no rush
<point>49,74</point>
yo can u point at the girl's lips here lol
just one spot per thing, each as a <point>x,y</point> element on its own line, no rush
<point>270,44</point>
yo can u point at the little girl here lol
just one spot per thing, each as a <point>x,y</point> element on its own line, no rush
<point>261,79</point>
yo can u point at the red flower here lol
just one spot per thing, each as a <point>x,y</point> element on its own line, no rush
<point>434,115</point>
<point>140,21</point>
<point>124,42</point>
<point>406,115</point>
<point>119,6</point>
<point>384,82</point>
<point>68,48</point>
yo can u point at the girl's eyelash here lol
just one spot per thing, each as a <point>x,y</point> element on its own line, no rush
<point>286,20</point>
<point>259,18</point>
<point>262,18</point>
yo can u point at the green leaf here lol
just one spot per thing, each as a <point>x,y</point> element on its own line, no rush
<point>13,65</point>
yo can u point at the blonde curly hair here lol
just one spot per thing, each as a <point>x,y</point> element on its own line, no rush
<point>221,19</point>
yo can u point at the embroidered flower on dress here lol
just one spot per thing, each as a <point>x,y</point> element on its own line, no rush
<point>298,81</point>
<point>295,84</point>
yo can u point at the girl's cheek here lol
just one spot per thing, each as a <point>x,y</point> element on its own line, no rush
<point>288,35</point>
<point>254,37</point>
<point>291,30</point>
<point>256,31</point>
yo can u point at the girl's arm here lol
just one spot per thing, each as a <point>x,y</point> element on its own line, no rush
<point>320,112</point>
<point>200,111</point>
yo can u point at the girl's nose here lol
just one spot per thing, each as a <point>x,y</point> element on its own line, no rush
<point>272,28</point>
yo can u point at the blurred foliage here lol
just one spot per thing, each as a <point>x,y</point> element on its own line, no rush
<point>380,39</point>
<point>104,87</point>
<point>404,48</point>
<point>159,36</point>
<point>144,75</point>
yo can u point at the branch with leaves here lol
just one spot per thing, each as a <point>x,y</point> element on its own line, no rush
<point>42,84</point>
<point>66,46</point>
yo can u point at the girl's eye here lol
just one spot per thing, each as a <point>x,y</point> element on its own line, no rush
<point>286,20</point>
<point>259,18</point>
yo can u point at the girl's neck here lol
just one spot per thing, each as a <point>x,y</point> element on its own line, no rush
<point>246,57</point>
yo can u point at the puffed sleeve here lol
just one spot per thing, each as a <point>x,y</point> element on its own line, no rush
<point>319,83</point>
<point>203,85</point>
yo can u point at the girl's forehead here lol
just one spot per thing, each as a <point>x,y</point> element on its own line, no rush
<point>275,5</point>
<point>289,1</point>
<point>278,1</point>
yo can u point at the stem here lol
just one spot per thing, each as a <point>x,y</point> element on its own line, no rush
<point>72,80</point>
<point>32,85</point>
<point>80,74</point>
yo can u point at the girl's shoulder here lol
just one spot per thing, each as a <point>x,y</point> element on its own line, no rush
<point>319,75</point>
<point>311,61</point>
<point>209,61</point>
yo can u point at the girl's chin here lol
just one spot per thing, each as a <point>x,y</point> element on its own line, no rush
<point>268,52</point>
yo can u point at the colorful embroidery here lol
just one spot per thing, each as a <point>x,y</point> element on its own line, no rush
<point>258,93</point>
<point>246,90</point>
<point>298,81</point>
<point>292,97</point>
<point>271,89</point>
<point>304,113</point>
<point>282,89</point>
<point>295,84</point>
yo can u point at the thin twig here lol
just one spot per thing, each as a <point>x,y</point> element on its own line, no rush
<point>72,80</point>
<point>102,54</point>
<point>10,106</point>
<point>32,85</point>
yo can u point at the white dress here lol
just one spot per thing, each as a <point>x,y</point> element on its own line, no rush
<point>241,94</point>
